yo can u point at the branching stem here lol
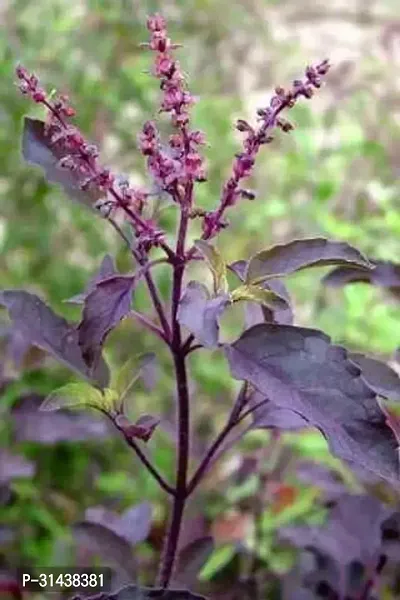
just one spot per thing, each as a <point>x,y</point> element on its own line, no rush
<point>142,457</point>
<point>171,543</point>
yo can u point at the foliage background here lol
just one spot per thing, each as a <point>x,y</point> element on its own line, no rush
<point>336,175</point>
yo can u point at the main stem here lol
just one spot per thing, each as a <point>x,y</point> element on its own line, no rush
<point>183,421</point>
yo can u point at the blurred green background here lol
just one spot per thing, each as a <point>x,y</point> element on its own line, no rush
<point>336,175</point>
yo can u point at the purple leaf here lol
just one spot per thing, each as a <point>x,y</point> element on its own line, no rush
<point>52,427</point>
<point>102,516</point>
<point>239,268</point>
<point>194,527</point>
<point>14,465</point>
<point>319,475</point>
<point>392,418</point>
<point>379,376</point>
<point>43,328</point>
<point>283,316</point>
<point>135,522</point>
<point>38,149</point>
<point>17,347</point>
<point>391,536</point>
<point>299,369</point>
<point>191,560</point>
<point>107,269</point>
<point>133,525</point>
<point>102,542</point>
<point>104,308</point>
<point>200,313</point>
<point>133,592</point>
<point>253,314</point>
<point>270,416</point>
<point>384,274</point>
<point>284,259</point>
<point>143,429</point>
<point>353,530</point>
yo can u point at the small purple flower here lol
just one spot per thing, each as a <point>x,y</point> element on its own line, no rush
<point>184,165</point>
<point>255,138</point>
<point>80,157</point>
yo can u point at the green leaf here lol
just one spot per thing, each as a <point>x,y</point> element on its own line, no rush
<point>217,265</point>
<point>110,398</point>
<point>217,561</point>
<point>78,394</point>
<point>255,293</point>
<point>129,373</point>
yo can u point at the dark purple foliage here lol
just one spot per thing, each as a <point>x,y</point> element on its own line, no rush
<point>293,377</point>
<point>267,415</point>
<point>239,268</point>
<point>191,559</point>
<point>284,259</point>
<point>103,542</point>
<point>107,269</point>
<point>14,465</point>
<point>384,274</point>
<point>32,425</point>
<point>299,369</point>
<point>105,306</point>
<point>379,376</point>
<point>316,474</point>
<point>391,536</point>
<point>17,346</point>
<point>42,327</point>
<point>143,429</point>
<point>352,534</point>
<point>133,525</point>
<point>199,313</point>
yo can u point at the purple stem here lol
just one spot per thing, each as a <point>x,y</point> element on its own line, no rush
<point>143,458</point>
<point>187,344</point>
<point>150,467</point>
<point>158,305</point>
<point>206,462</point>
<point>137,219</point>
<point>149,324</point>
<point>154,295</point>
<point>251,410</point>
<point>165,334</point>
<point>171,543</point>
<point>233,420</point>
<point>193,348</point>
